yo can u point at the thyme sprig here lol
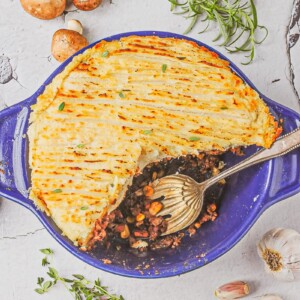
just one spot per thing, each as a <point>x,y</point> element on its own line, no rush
<point>236,19</point>
<point>78,286</point>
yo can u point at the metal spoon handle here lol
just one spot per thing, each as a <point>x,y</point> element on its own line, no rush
<point>282,146</point>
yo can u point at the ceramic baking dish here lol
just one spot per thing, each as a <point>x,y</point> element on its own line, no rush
<point>246,196</point>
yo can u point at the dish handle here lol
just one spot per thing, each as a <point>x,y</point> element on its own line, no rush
<point>284,180</point>
<point>13,168</point>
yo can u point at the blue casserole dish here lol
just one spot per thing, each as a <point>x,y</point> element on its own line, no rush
<point>246,196</point>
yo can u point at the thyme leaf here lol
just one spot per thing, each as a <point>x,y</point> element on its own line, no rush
<point>46,251</point>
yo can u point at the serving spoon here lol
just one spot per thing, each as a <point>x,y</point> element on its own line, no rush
<point>183,196</point>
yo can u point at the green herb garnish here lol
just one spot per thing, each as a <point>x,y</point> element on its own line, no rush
<point>105,54</point>
<point>57,191</point>
<point>45,261</point>
<point>164,68</point>
<point>224,107</point>
<point>78,286</point>
<point>80,146</point>
<point>46,251</point>
<point>237,22</point>
<point>84,208</point>
<point>61,106</point>
<point>147,131</point>
<point>194,138</point>
<point>121,95</point>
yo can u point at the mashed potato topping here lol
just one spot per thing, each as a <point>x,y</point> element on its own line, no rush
<point>123,104</point>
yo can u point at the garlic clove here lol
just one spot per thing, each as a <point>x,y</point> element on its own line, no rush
<point>270,297</point>
<point>232,290</point>
<point>279,248</point>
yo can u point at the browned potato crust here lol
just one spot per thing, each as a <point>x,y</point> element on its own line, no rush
<point>87,4</point>
<point>44,10</point>
<point>66,42</point>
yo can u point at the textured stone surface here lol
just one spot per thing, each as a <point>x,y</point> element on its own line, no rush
<point>276,73</point>
<point>6,71</point>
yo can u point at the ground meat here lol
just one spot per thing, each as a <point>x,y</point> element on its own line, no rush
<point>135,222</point>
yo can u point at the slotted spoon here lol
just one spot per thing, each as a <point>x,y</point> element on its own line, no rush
<point>183,196</point>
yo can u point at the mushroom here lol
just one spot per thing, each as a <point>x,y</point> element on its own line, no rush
<point>44,10</point>
<point>87,4</point>
<point>66,42</point>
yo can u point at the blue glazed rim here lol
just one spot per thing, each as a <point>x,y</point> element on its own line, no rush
<point>268,195</point>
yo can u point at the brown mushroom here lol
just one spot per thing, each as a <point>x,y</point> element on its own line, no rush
<point>66,42</point>
<point>42,9</point>
<point>87,4</point>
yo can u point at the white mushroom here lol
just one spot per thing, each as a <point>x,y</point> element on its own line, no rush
<point>66,42</point>
<point>42,9</point>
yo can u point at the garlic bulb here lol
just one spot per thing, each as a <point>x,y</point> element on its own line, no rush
<point>270,297</point>
<point>280,250</point>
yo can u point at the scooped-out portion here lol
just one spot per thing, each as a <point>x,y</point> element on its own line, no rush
<point>136,223</point>
<point>124,104</point>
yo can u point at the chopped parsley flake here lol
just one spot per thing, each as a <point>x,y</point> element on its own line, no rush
<point>80,146</point>
<point>121,95</point>
<point>84,208</point>
<point>105,54</point>
<point>164,68</point>
<point>224,107</point>
<point>147,131</point>
<point>61,106</point>
<point>194,138</point>
<point>57,191</point>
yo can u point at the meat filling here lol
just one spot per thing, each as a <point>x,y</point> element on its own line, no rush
<point>135,222</point>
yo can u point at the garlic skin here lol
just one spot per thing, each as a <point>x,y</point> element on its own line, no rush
<point>270,297</point>
<point>232,290</point>
<point>279,248</point>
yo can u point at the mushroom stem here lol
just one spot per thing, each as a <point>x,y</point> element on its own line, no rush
<point>75,25</point>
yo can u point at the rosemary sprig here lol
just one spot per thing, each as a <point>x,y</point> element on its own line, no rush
<point>236,20</point>
<point>78,286</point>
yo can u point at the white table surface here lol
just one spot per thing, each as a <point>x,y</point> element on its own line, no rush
<point>26,42</point>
